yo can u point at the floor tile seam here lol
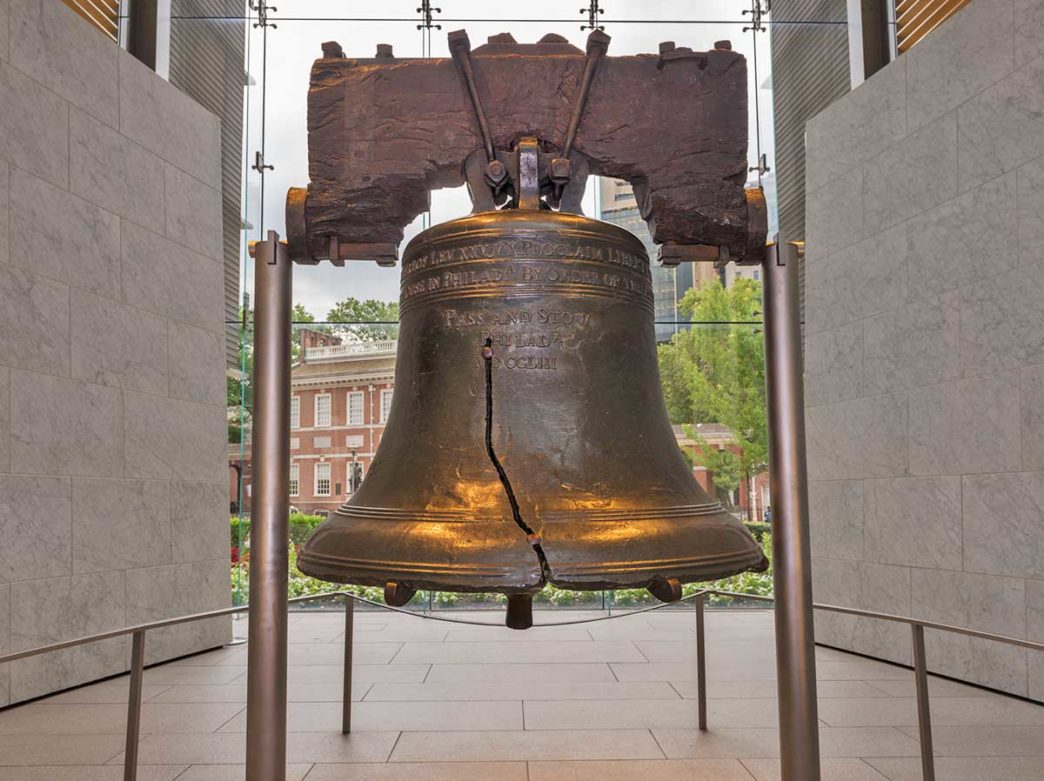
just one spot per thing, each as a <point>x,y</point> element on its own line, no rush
<point>652,734</point>
<point>743,764</point>
<point>395,745</point>
<point>231,718</point>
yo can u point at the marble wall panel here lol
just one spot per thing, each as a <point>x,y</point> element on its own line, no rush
<point>34,127</point>
<point>35,527</point>
<point>1030,212</point>
<point>870,119</point>
<point>911,346</point>
<point>5,213</point>
<point>62,237</point>
<point>4,27</point>
<point>169,123</point>
<point>859,281</point>
<point>834,212</point>
<point>1032,416</point>
<point>42,28</point>
<point>1029,31</point>
<point>985,602</point>
<point>946,243</point>
<point>114,172</point>
<point>179,589</point>
<point>163,277</point>
<point>959,59</point>
<point>65,427</point>
<point>914,521</point>
<point>999,129</point>
<point>120,524</point>
<point>1000,322</point>
<point>197,364</point>
<point>834,365</point>
<point>860,438</point>
<point>118,345</point>
<point>5,606</point>
<point>914,175</point>
<point>5,419</point>
<point>199,520</point>
<point>966,426</point>
<point>1035,632</point>
<point>46,611</point>
<point>837,507</point>
<point>193,213</point>
<point>168,439</point>
<point>34,322</point>
<point>1002,524</point>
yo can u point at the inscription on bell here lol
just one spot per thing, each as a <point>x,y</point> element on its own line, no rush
<point>523,248</point>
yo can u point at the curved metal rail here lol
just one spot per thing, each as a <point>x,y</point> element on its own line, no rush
<point>137,633</point>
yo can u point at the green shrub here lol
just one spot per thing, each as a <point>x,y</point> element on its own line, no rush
<point>301,526</point>
<point>758,529</point>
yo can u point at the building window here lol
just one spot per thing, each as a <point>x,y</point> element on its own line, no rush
<point>322,478</point>
<point>386,399</point>
<point>322,410</point>
<point>355,408</point>
<point>295,412</point>
<point>295,479</point>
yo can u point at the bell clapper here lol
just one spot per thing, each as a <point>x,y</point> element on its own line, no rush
<point>396,594</point>
<point>666,589</point>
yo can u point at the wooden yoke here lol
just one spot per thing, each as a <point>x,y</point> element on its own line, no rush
<point>384,132</point>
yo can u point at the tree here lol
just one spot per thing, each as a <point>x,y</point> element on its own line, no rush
<point>716,374</point>
<point>366,321</point>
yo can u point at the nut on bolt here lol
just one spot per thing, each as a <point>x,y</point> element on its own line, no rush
<point>560,170</point>
<point>496,173</point>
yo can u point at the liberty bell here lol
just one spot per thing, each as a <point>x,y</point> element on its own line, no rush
<point>528,442</point>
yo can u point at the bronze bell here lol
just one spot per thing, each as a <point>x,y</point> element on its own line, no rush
<point>527,442</point>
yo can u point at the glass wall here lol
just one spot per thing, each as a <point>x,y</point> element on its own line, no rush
<point>707,319</point>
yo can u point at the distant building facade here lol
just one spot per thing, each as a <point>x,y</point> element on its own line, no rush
<point>340,398</point>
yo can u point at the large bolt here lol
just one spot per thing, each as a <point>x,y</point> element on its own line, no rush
<point>723,45</point>
<point>384,50</point>
<point>496,173</point>
<point>560,170</point>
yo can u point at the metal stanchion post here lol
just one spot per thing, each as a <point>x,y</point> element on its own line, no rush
<point>701,664</point>
<point>137,674</point>
<point>791,561</point>
<point>349,642</point>
<point>924,710</point>
<point>269,532</point>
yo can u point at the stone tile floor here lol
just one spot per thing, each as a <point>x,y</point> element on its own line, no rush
<point>598,702</point>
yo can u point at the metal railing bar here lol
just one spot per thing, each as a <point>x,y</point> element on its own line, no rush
<point>72,643</point>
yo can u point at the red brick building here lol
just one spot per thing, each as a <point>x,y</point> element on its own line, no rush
<point>755,497</point>
<point>340,397</point>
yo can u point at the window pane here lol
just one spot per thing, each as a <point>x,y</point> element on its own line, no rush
<point>295,479</point>
<point>295,412</point>
<point>355,408</point>
<point>322,479</point>
<point>386,399</point>
<point>322,410</point>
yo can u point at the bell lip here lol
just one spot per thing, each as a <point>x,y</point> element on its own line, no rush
<point>339,569</point>
<point>511,221</point>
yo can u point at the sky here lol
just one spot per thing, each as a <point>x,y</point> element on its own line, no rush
<point>303,25</point>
